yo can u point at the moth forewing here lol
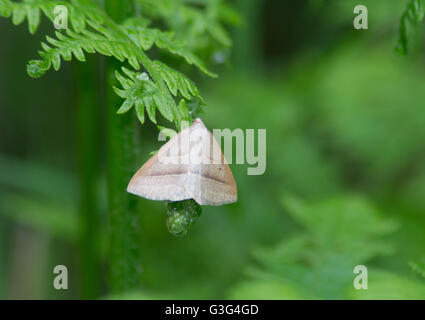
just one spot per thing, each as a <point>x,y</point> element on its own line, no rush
<point>189,166</point>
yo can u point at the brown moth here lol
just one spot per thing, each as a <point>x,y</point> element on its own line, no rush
<point>189,166</point>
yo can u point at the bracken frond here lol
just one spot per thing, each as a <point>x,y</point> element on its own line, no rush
<point>156,86</point>
<point>412,15</point>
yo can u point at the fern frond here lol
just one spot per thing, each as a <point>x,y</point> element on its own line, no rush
<point>418,267</point>
<point>30,10</point>
<point>93,31</point>
<point>147,37</point>
<point>207,17</point>
<point>139,91</point>
<point>70,44</point>
<point>412,15</point>
<point>177,82</point>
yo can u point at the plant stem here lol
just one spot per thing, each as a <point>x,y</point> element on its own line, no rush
<point>124,269</point>
<point>89,167</point>
<point>246,51</point>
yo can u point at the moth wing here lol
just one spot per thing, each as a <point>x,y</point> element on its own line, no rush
<point>217,185</point>
<point>164,176</point>
<point>172,174</point>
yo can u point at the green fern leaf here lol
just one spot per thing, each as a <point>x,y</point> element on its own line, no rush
<point>177,82</point>
<point>141,91</point>
<point>418,267</point>
<point>30,10</point>
<point>194,22</point>
<point>147,37</point>
<point>413,15</point>
<point>93,31</point>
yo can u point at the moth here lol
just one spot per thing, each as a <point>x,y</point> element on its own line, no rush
<point>189,166</point>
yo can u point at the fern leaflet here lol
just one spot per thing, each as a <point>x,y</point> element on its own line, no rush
<point>158,87</point>
<point>412,15</point>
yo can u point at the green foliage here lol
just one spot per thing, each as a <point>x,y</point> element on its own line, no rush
<point>383,285</point>
<point>143,93</point>
<point>93,31</point>
<point>197,24</point>
<point>145,37</point>
<point>265,290</point>
<point>317,263</point>
<point>31,193</point>
<point>412,15</point>
<point>27,10</point>
<point>338,122</point>
<point>363,126</point>
<point>418,267</point>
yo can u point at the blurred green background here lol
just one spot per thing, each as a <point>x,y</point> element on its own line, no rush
<point>344,185</point>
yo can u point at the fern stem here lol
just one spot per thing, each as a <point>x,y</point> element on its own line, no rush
<point>88,160</point>
<point>247,40</point>
<point>124,269</point>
